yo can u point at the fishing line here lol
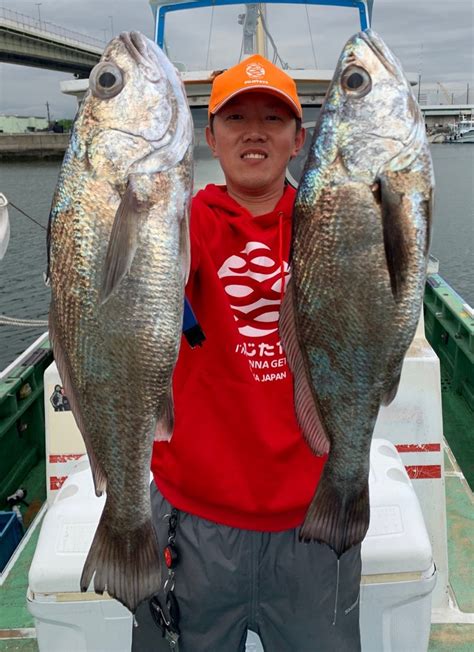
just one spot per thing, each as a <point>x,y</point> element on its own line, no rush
<point>241,49</point>
<point>13,321</point>
<point>209,39</point>
<point>276,54</point>
<point>26,215</point>
<point>311,37</point>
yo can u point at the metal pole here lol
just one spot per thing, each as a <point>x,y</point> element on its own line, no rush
<point>467,93</point>
<point>261,39</point>
<point>38,4</point>
<point>250,28</point>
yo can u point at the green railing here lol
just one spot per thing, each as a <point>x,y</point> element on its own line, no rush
<point>22,442</point>
<point>449,327</point>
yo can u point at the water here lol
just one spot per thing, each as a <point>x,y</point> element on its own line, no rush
<point>30,186</point>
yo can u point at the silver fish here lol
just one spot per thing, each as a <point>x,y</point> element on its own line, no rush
<point>360,241</point>
<point>118,246</point>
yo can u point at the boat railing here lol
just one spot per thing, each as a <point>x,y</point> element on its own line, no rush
<point>449,326</point>
<point>162,8</point>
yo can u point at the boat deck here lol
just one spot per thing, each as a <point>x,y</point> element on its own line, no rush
<point>452,629</point>
<point>17,631</point>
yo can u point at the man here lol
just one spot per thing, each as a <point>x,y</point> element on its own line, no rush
<point>237,468</point>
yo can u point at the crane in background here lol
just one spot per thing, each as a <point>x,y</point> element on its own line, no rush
<point>445,93</point>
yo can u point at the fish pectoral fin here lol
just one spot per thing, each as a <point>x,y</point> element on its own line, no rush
<point>336,518</point>
<point>394,239</point>
<point>306,408</point>
<point>98,474</point>
<point>123,244</point>
<point>165,423</point>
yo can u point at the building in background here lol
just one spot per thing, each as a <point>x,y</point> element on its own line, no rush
<point>19,124</point>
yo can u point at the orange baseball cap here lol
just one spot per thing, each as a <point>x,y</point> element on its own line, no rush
<point>254,73</point>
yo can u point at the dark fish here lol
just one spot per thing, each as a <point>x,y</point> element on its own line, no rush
<point>361,234</point>
<point>118,261</point>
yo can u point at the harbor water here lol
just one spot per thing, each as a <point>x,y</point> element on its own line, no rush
<point>30,186</point>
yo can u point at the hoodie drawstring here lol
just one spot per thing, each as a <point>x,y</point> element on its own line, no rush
<point>280,253</point>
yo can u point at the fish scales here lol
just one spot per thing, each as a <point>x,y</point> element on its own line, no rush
<point>360,243</point>
<point>118,260</point>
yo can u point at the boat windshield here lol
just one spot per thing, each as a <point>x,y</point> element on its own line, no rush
<point>294,36</point>
<point>207,169</point>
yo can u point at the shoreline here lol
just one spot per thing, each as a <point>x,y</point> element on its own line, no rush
<point>33,146</point>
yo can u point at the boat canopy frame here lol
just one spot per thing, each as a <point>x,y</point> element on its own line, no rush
<point>364,7</point>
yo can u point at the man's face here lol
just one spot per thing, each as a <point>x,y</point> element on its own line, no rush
<point>254,136</point>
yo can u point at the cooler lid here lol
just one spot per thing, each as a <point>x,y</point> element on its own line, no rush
<point>66,535</point>
<point>397,541</point>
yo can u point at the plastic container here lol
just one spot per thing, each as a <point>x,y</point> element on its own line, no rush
<point>398,573</point>
<point>11,533</point>
<point>65,618</point>
<point>414,424</point>
<point>64,443</point>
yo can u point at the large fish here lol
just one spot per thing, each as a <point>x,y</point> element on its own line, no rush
<point>361,232</point>
<point>118,260</point>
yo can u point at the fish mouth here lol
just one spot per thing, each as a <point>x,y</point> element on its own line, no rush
<point>137,47</point>
<point>375,43</point>
<point>392,65</point>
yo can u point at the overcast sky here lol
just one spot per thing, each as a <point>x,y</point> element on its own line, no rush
<point>431,37</point>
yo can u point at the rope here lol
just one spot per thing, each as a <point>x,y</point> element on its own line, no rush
<point>32,323</point>
<point>26,215</point>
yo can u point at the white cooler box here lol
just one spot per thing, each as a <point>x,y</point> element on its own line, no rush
<point>398,574</point>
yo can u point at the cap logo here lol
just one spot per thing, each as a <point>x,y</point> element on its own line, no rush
<point>255,70</point>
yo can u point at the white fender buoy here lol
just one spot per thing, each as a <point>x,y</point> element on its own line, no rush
<point>4,225</point>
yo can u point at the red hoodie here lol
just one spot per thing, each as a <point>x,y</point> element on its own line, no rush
<point>237,456</point>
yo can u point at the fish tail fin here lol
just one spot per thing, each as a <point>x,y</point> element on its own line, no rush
<point>125,564</point>
<point>338,519</point>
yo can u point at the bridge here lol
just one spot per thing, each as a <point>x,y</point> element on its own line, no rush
<point>38,43</point>
<point>446,114</point>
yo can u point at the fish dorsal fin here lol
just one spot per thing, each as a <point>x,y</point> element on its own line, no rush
<point>306,409</point>
<point>123,244</point>
<point>394,238</point>
<point>98,474</point>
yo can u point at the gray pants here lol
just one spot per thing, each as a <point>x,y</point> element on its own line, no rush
<point>297,597</point>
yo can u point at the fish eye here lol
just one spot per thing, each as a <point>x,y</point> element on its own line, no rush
<point>106,80</point>
<point>356,81</point>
